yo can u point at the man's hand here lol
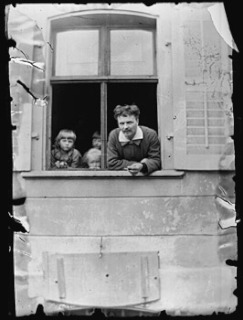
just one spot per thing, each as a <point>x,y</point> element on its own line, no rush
<point>135,168</point>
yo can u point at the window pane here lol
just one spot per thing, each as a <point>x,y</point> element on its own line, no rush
<point>131,52</point>
<point>77,53</point>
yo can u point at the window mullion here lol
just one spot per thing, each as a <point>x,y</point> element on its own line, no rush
<point>103,52</point>
<point>103,129</point>
<point>104,68</point>
<point>105,48</point>
<point>107,52</point>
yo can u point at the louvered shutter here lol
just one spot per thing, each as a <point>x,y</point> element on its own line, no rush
<point>202,92</point>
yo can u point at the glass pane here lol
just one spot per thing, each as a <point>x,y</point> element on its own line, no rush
<point>131,52</point>
<point>77,53</point>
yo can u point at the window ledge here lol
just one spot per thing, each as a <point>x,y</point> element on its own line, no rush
<point>74,173</point>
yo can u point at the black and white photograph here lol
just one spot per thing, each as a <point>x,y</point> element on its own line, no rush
<point>123,187</point>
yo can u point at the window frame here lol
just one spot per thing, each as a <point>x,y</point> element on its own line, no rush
<point>104,79</point>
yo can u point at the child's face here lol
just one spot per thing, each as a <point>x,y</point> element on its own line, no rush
<point>96,143</point>
<point>94,163</point>
<point>66,144</point>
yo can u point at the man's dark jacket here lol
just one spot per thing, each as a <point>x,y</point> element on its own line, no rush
<point>147,149</point>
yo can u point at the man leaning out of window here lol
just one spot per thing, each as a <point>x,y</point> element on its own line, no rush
<point>130,146</point>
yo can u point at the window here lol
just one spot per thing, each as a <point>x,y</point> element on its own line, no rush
<point>99,61</point>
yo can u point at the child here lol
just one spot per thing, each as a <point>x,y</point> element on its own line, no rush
<point>96,144</point>
<point>64,155</point>
<point>96,140</point>
<point>93,158</point>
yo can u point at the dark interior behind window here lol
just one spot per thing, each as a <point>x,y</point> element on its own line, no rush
<point>76,107</point>
<point>142,94</point>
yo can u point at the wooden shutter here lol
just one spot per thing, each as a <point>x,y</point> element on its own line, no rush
<point>25,84</point>
<point>201,91</point>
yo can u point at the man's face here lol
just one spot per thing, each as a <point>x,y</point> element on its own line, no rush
<point>128,125</point>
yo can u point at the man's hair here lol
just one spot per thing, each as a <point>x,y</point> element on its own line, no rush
<point>126,110</point>
<point>64,133</point>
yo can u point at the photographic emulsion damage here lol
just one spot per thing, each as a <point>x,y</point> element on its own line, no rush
<point>123,152</point>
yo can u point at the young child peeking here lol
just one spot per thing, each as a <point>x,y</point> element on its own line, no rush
<point>93,158</point>
<point>95,151</point>
<point>96,140</point>
<point>64,155</point>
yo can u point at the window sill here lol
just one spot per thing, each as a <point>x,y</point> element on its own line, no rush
<point>74,173</point>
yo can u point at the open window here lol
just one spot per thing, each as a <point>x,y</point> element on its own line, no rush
<point>100,61</point>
